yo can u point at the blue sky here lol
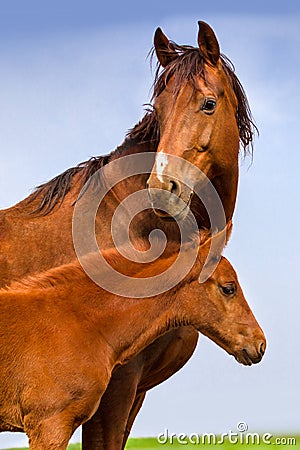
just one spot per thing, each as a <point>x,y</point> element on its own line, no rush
<point>74,78</point>
<point>35,17</point>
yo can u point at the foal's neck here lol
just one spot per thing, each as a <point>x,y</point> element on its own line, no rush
<point>130,324</point>
<point>138,322</point>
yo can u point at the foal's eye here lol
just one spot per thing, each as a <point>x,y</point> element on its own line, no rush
<point>209,105</point>
<point>228,289</point>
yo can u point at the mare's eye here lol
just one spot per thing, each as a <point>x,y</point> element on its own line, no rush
<point>209,105</point>
<point>228,289</point>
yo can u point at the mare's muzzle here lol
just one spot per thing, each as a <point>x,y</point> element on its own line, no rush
<point>170,198</point>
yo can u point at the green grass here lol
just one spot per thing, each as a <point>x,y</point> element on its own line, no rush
<point>152,444</point>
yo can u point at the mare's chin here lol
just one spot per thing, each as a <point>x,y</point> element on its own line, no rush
<point>173,215</point>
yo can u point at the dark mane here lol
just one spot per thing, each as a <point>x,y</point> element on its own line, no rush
<point>188,65</point>
<point>53,192</point>
<point>244,118</point>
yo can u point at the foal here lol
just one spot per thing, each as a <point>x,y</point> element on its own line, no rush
<point>62,335</point>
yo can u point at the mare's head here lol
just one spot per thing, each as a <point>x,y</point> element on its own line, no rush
<point>203,115</point>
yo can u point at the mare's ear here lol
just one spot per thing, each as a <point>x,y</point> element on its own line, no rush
<point>208,43</point>
<point>164,49</point>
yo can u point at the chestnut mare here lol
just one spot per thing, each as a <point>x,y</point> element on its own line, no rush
<point>31,243</point>
<point>61,341</point>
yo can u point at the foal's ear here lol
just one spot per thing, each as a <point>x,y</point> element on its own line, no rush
<point>208,43</point>
<point>164,49</point>
<point>210,250</point>
<point>229,228</point>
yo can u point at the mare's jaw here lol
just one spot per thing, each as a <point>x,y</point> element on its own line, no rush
<point>175,217</point>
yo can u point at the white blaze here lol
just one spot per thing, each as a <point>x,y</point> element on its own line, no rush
<point>161,164</point>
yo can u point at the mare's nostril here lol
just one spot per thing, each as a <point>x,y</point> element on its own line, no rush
<point>175,187</point>
<point>262,348</point>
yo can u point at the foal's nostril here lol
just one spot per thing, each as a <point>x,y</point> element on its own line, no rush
<point>262,348</point>
<point>175,187</point>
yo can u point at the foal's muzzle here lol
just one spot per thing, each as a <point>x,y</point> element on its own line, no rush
<point>251,353</point>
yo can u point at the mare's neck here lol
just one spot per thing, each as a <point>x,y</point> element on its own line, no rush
<point>226,187</point>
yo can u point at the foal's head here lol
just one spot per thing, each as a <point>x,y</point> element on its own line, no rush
<point>217,306</point>
<point>221,312</point>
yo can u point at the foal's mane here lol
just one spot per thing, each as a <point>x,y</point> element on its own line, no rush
<point>66,274</point>
<point>73,273</point>
<point>188,65</point>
